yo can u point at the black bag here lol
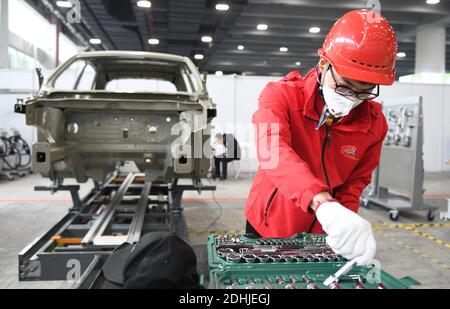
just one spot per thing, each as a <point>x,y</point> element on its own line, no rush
<point>159,260</point>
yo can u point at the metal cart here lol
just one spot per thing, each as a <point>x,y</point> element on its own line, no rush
<point>398,182</point>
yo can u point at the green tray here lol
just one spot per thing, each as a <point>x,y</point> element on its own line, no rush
<point>222,271</point>
<point>310,243</point>
<point>222,278</point>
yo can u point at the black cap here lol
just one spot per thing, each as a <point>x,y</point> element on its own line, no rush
<point>159,260</point>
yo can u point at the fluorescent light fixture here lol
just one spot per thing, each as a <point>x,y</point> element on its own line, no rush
<point>222,7</point>
<point>64,4</point>
<point>144,4</point>
<point>240,47</point>
<point>95,41</point>
<point>219,73</point>
<point>198,56</point>
<point>206,39</point>
<point>401,54</point>
<point>433,1</point>
<point>314,30</point>
<point>298,63</point>
<point>153,41</point>
<point>262,27</point>
<point>283,49</point>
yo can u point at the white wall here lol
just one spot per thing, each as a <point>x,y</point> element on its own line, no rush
<point>16,84</point>
<point>236,98</point>
<point>436,110</point>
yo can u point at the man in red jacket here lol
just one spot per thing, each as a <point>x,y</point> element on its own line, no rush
<point>324,136</point>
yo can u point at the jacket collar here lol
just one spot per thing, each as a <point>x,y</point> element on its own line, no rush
<point>359,118</point>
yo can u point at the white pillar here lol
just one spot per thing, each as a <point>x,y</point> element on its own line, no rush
<point>430,49</point>
<point>4,34</point>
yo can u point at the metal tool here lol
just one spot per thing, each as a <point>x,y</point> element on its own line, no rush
<point>234,284</point>
<point>292,286</point>
<point>250,284</point>
<point>310,284</point>
<point>263,258</point>
<point>233,257</point>
<point>249,258</point>
<point>310,258</point>
<point>359,284</point>
<point>342,271</point>
<point>299,258</point>
<point>222,252</point>
<point>289,258</point>
<point>280,280</point>
<point>269,285</point>
<point>334,286</point>
<point>294,279</point>
<point>277,258</point>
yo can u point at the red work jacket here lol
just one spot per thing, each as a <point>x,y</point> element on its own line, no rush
<point>339,158</point>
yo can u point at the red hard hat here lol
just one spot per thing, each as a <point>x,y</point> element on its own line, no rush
<point>362,46</point>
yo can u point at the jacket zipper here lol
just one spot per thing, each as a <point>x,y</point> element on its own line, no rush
<point>266,212</point>
<point>326,142</point>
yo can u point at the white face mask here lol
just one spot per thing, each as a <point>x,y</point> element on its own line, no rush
<point>337,104</point>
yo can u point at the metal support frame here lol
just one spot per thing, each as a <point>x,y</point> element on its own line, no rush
<point>121,209</point>
<point>398,181</point>
<point>445,215</point>
<point>73,189</point>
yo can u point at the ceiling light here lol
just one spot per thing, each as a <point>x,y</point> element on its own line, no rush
<point>298,63</point>
<point>219,73</point>
<point>314,30</point>
<point>262,27</point>
<point>64,4</point>
<point>433,1</point>
<point>222,7</point>
<point>206,39</point>
<point>95,41</point>
<point>401,54</point>
<point>240,47</point>
<point>144,4</point>
<point>198,56</point>
<point>283,49</point>
<point>153,41</point>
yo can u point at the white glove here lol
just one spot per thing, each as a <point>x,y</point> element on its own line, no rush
<point>349,235</point>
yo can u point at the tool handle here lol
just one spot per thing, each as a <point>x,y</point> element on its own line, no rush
<point>342,271</point>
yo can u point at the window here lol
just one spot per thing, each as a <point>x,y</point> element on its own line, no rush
<point>140,85</point>
<point>21,16</point>
<point>73,77</point>
<point>87,78</point>
<point>123,74</point>
<point>19,60</point>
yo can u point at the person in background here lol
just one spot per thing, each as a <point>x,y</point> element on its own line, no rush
<point>220,157</point>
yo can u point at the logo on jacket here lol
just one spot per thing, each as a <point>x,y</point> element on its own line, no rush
<point>349,151</point>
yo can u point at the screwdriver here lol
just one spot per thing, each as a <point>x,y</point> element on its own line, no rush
<point>359,282</point>
<point>342,271</point>
<point>310,285</point>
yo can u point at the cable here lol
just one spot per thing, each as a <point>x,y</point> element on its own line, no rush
<point>14,146</point>
<point>23,151</point>
<point>8,152</point>
<point>220,210</point>
<point>10,167</point>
